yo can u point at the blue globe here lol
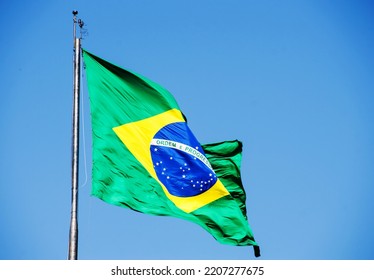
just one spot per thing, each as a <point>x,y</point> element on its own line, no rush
<point>180,162</point>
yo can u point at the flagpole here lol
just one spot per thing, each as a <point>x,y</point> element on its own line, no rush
<point>73,236</point>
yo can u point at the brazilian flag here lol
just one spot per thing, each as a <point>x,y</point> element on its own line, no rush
<point>146,158</point>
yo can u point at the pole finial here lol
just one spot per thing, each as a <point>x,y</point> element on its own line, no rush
<point>77,22</point>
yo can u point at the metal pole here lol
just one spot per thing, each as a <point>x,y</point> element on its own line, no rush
<point>73,236</point>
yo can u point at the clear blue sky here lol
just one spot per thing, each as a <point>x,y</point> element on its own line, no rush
<point>293,80</point>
